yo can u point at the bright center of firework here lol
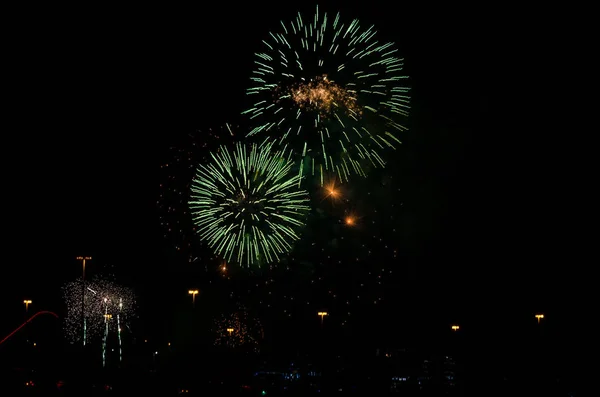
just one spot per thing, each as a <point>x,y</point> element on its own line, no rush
<point>246,203</point>
<point>324,96</point>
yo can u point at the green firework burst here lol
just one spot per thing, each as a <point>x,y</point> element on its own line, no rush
<point>330,90</point>
<point>246,204</point>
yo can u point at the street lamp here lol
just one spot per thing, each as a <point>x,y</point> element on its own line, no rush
<point>539,317</point>
<point>322,314</point>
<point>455,328</point>
<point>27,302</point>
<point>83,259</point>
<point>230,330</point>
<point>193,292</point>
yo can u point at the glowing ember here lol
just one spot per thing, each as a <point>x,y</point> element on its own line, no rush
<point>324,96</point>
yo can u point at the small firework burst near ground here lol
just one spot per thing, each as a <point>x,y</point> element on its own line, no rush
<point>107,306</point>
<point>238,329</point>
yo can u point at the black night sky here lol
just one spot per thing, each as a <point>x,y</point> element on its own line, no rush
<point>101,95</point>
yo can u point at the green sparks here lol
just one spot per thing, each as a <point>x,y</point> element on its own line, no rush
<point>331,91</point>
<point>246,205</point>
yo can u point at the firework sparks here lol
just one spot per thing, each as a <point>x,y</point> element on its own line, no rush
<point>324,97</point>
<point>105,302</point>
<point>246,206</point>
<point>238,329</point>
<point>330,90</point>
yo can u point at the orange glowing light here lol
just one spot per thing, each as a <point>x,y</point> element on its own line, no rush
<point>331,191</point>
<point>350,221</point>
<point>455,328</point>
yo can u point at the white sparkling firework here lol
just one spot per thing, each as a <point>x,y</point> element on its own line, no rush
<point>102,297</point>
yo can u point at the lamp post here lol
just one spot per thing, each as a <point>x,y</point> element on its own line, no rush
<point>455,328</point>
<point>27,302</point>
<point>230,330</point>
<point>193,292</point>
<point>539,317</point>
<point>322,315</point>
<point>83,259</point>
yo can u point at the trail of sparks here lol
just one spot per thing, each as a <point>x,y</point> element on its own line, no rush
<point>331,90</point>
<point>119,329</point>
<point>246,205</point>
<point>105,332</point>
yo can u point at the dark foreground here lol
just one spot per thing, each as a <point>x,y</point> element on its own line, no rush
<point>395,372</point>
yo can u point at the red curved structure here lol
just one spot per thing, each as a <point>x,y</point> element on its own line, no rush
<point>27,322</point>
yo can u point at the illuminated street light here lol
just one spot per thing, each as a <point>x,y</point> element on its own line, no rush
<point>230,330</point>
<point>539,317</point>
<point>455,328</point>
<point>193,292</point>
<point>27,302</point>
<point>83,259</point>
<point>322,315</point>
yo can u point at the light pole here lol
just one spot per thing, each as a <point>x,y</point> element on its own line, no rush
<point>455,328</point>
<point>27,302</point>
<point>322,315</point>
<point>83,259</point>
<point>193,292</point>
<point>539,317</point>
<point>230,330</point>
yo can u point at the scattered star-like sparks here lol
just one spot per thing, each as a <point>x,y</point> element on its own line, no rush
<point>238,330</point>
<point>177,172</point>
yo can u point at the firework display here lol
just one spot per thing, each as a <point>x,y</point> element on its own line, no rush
<point>246,205</point>
<point>330,90</point>
<point>238,329</point>
<point>327,101</point>
<point>109,308</point>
